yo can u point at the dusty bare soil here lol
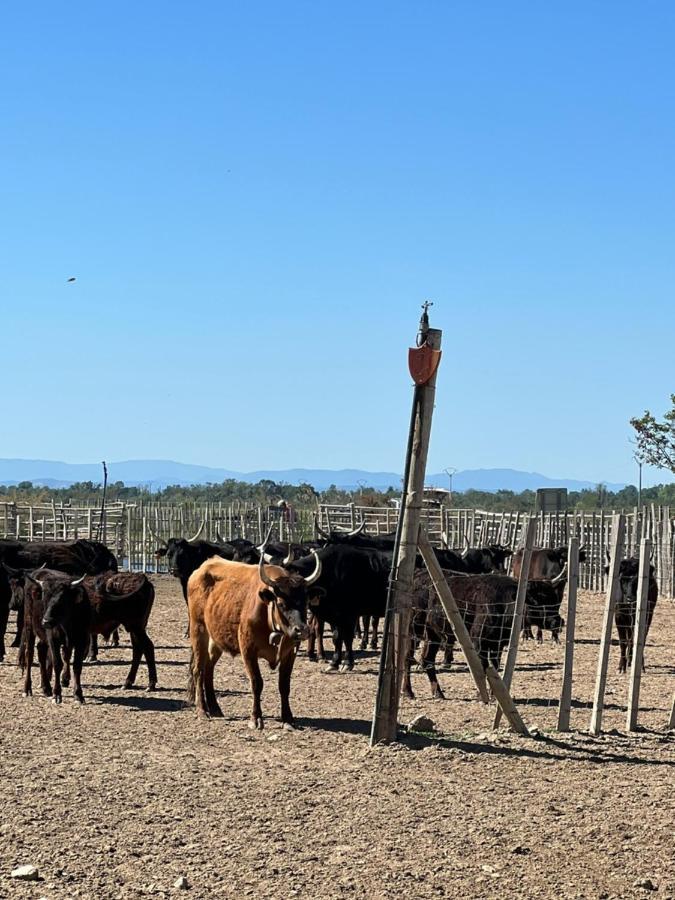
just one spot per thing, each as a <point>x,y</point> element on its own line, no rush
<point>120,797</point>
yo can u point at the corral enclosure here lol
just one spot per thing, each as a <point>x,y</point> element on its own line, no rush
<point>137,783</point>
<point>119,798</point>
<point>131,529</point>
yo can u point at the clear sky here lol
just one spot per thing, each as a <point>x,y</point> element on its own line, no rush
<point>255,199</point>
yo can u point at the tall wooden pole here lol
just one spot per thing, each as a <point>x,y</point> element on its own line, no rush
<point>396,635</point>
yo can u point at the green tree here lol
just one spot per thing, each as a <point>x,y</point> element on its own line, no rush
<point>656,439</point>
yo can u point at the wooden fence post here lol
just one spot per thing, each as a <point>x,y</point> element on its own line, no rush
<point>521,594</point>
<point>638,637</point>
<point>671,723</point>
<point>618,528</point>
<point>454,616</point>
<point>396,631</point>
<point>505,701</point>
<point>568,664</point>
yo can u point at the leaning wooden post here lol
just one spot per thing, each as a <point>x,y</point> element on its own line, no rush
<point>568,663</point>
<point>505,701</point>
<point>423,363</point>
<point>671,723</point>
<point>454,616</point>
<point>517,625</point>
<point>639,629</point>
<point>618,528</point>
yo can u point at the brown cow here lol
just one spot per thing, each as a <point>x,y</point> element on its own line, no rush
<point>258,611</point>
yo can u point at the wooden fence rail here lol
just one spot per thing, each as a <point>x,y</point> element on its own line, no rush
<point>131,529</point>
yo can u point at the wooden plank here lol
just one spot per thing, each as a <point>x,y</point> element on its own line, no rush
<point>565,705</point>
<point>613,587</point>
<point>521,594</point>
<point>454,616</point>
<point>504,699</point>
<point>638,637</point>
<point>671,722</point>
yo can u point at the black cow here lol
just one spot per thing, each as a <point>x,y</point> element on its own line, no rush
<point>57,614</point>
<point>354,580</point>
<point>545,562</point>
<point>79,557</point>
<point>123,599</point>
<point>184,556</point>
<point>542,607</point>
<point>486,604</point>
<point>626,608</point>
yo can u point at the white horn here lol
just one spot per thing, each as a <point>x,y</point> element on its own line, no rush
<point>316,574</point>
<point>199,531</point>
<point>77,581</point>
<point>288,559</point>
<point>467,548</point>
<point>561,577</point>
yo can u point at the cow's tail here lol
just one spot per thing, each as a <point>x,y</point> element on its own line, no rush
<point>191,694</point>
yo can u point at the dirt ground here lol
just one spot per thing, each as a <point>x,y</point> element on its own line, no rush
<point>119,798</point>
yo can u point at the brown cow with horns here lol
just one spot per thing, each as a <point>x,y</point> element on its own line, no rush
<point>258,611</point>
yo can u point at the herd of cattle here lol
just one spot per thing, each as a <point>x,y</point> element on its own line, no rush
<point>261,602</point>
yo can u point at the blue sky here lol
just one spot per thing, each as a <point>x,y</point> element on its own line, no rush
<point>256,198</point>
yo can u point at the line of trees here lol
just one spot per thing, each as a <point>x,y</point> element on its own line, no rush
<point>303,496</point>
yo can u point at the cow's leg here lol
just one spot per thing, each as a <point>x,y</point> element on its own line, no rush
<point>336,659</point>
<point>93,648</point>
<point>78,659</point>
<point>540,635</point>
<point>183,584</point>
<point>364,634</point>
<point>45,683</point>
<point>149,652</point>
<point>115,639</point>
<point>319,639</point>
<point>199,640</point>
<point>623,647</point>
<point>19,628</point>
<point>285,671</point>
<point>253,670</point>
<point>136,656</point>
<point>432,646</point>
<point>29,644</point>
<point>406,687</point>
<point>214,654</point>
<point>312,627</point>
<point>348,635</point>
<point>57,665</point>
<point>373,640</point>
<point>4,617</point>
<point>65,656</point>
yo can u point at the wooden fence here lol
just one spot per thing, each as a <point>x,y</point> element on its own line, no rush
<point>131,530</point>
<point>450,527</point>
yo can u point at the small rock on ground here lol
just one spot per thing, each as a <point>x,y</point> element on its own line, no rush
<point>25,873</point>
<point>421,724</point>
<point>181,883</point>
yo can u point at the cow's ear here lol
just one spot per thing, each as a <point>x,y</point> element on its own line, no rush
<point>266,595</point>
<point>315,596</point>
<point>160,553</point>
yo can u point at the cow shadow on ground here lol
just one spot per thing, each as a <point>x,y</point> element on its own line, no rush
<point>141,701</point>
<point>124,661</point>
<point>536,667</point>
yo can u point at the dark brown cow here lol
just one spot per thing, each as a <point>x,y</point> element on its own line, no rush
<point>123,599</point>
<point>57,614</point>
<point>259,612</point>
<point>486,603</point>
<point>626,608</point>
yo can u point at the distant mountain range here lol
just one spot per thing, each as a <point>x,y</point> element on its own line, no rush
<point>158,473</point>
